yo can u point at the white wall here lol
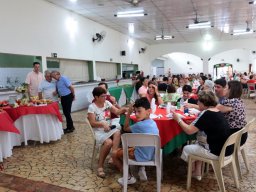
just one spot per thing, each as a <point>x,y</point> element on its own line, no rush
<point>36,27</point>
<point>231,57</point>
<point>178,62</point>
<point>196,49</point>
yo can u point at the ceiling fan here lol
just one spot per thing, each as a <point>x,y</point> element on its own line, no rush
<point>135,3</point>
<point>99,36</point>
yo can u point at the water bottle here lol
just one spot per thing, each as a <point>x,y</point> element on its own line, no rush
<point>178,105</point>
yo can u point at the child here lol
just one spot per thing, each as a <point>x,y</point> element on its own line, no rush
<point>144,125</point>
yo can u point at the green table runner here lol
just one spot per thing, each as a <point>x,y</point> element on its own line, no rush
<point>128,89</point>
<point>115,92</point>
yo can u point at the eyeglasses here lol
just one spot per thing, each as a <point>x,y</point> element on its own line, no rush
<point>103,96</point>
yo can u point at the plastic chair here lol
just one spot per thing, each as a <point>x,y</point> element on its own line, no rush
<point>136,139</point>
<point>242,149</point>
<point>218,163</point>
<point>96,147</point>
<point>251,90</point>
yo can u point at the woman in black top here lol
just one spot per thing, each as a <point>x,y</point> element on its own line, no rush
<point>212,131</point>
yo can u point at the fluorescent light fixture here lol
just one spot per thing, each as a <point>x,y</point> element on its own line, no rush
<point>131,27</point>
<point>252,2</point>
<point>73,1</point>
<point>163,37</point>
<point>200,25</point>
<point>226,28</point>
<point>132,13</point>
<point>242,32</point>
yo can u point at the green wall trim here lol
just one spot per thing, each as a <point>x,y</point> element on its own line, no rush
<point>18,61</point>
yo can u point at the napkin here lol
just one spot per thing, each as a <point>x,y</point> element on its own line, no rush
<point>168,108</point>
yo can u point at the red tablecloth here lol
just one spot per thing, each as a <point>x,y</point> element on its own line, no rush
<point>6,123</point>
<point>16,113</point>
<point>168,128</point>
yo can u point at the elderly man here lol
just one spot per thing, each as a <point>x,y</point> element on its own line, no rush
<point>47,88</point>
<point>33,80</point>
<point>220,89</point>
<point>67,95</point>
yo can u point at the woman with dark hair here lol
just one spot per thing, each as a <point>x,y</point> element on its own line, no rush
<point>99,118</point>
<point>153,93</point>
<point>142,91</point>
<point>201,86</point>
<point>233,108</point>
<point>212,131</point>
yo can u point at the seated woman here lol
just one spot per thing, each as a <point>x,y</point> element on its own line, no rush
<point>208,85</point>
<point>233,108</point>
<point>153,93</point>
<point>98,114</point>
<point>213,131</point>
<point>111,99</point>
<point>186,90</point>
<point>171,95</point>
<point>201,81</point>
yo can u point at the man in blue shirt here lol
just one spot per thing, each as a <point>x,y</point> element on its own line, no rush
<point>67,95</point>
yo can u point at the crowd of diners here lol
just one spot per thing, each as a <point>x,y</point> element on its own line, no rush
<point>221,113</point>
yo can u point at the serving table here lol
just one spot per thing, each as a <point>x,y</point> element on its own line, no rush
<point>37,123</point>
<point>171,134</point>
<point>7,132</point>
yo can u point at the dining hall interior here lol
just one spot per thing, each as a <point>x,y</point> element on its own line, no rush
<point>117,42</point>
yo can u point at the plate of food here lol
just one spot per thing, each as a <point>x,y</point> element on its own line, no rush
<point>162,106</point>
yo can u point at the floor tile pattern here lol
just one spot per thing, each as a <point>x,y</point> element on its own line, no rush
<point>64,166</point>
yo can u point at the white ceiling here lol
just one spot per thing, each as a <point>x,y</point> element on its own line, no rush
<point>171,15</point>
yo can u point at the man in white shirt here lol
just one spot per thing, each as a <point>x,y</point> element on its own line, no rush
<point>33,80</point>
<point>47,88</point>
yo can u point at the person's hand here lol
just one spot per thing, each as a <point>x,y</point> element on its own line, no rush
<point>176,116</point>
<point>54,93</point>
<point>130,109</point>
<point>188,105</point>
<point>106,127</point>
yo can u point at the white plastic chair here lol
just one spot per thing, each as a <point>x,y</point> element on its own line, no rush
<point>218,163</point>
<point>251,90</point>
<point>96,147</point>
<point>136,139</point>
<point>242,149</point>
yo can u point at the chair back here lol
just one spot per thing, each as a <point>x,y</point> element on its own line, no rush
<point>232,140</point>
<point>90,127</point>
<point>141,140</point>
<point>251,87</point>
<point>245,130</point>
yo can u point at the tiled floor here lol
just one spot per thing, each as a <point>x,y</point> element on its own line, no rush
<point>64,166</point>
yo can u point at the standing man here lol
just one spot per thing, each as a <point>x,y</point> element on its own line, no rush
<point>33,80</point>
<point>67,95</point>
<point>47,88</point>
<point>220,89</point>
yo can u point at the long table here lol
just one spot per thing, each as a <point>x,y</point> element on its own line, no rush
<point>37,123</point>
<point>7,130</point>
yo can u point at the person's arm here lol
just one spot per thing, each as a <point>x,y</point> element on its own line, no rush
<point>72,91</point>
<point>96,124</point>
<point>224,109</point>
<point>117,111</point>
<point>190,105</point>
<point>127,127</point>
<point>189,129</point>
<point>159,99</point>
<point>113,99</point>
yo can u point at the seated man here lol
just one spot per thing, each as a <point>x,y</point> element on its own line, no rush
<point>186,90</point>
<point>163,85</point>
<point>144,125</point>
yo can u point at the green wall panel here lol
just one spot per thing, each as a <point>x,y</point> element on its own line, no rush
<point>18,61</point>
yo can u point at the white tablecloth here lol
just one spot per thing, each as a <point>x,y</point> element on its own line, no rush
<point>40,127</point>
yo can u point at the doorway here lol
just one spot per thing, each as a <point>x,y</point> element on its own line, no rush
<point>223,70</point>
